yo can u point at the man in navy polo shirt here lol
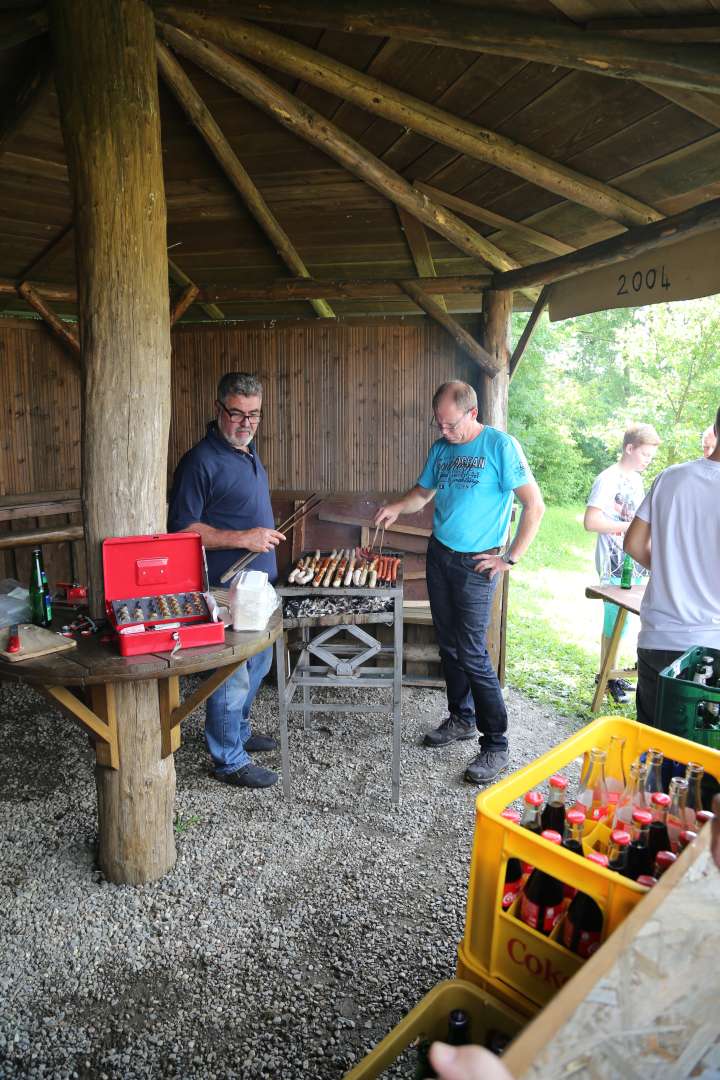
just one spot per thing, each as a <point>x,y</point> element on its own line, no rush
<point>472,472</point>
<point>221,491</point>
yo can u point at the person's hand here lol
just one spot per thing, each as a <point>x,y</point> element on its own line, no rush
<point>260,539</point>
<point>388,515</point>
<point>493,564</point>
<point>715,835</point>
<point>466,1063</point>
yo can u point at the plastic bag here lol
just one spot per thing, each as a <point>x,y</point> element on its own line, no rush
<point>252,600</point>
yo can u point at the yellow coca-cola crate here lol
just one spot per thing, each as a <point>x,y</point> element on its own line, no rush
<point>498,949</point>
<point>429,1020</point>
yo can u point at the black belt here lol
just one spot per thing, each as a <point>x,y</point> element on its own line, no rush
<point>487,551</point>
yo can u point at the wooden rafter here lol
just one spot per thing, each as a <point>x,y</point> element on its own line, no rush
<point>60,329</point>
<point>183,302</point>
<point>369,93</point>
<point>180,278</point>
<point>503,33</point>
<point>15,29</point>
<point>488,217</point>
<point>692,222</point>
<point>57,246</point>
<point>529,329</point>
<point>677,29</point>
<point>20,104</point>
<point>466,341</point>
<point>233,169</point>
<point>291,289</point>
<point>317,130</point>
<point>417,242</point>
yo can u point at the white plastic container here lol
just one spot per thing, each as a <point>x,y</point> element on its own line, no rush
<point>252,600</point>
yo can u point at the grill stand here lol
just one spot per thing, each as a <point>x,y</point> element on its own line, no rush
<point>324,662</point>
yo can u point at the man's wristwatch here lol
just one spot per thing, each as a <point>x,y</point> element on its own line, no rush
<point>509,560</point>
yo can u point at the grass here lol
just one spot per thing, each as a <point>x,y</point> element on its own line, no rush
<point>553,632</point>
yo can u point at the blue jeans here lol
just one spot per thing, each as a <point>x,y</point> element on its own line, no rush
<point>461,604</point>
<point>227,712</point>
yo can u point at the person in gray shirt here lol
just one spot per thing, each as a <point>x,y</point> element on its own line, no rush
<point>676,535</point>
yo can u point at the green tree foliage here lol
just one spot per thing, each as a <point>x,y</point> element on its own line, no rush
<point>583,381</point>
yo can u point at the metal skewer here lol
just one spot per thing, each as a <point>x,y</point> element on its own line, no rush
<point>295,518</point>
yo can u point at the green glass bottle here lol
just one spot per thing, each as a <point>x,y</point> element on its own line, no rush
<point>627,573</point>
<point>38,596</point>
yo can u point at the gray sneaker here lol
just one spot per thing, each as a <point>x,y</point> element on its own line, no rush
<point>487,766</point>
<point>451,730</point>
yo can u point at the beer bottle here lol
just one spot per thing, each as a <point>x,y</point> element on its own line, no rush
<point>627,573</point>
<point>553,815</point>
<point>583,923</point>
<point>592,794</point>
<point>542,899</point>
<point>639,858</point>
<point>38,603</point>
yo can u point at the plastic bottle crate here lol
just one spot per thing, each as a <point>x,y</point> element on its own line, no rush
<point>429,1020</point>
<point>678,700</point>
<point>500,951</point>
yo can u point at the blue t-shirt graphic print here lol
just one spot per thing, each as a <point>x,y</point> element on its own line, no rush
<point>474,484</point>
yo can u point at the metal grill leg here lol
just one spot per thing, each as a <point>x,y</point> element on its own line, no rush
<point>397,697</point>
<point>281,656</point>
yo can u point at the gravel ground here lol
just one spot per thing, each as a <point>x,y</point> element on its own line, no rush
<point>288,939</point>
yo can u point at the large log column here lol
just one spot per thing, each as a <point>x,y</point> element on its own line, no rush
<point>107,87</point>
<point>497,315</point>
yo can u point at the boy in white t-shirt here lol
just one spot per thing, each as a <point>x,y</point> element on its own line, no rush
<point>615,496</point>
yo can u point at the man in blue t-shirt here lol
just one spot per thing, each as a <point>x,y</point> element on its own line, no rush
<point>472,472</point>
<point>220,491</point>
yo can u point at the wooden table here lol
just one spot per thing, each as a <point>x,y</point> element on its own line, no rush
<point>84,682</point>
<point>646,1004</point>
<point>627,600</point>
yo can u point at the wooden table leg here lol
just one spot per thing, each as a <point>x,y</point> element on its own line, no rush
<point>101,723</point>
<point>608,663</point>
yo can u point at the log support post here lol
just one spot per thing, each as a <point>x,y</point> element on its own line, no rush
<point>106,79</point>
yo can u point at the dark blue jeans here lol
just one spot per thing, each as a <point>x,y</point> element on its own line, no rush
<point>461,603</point>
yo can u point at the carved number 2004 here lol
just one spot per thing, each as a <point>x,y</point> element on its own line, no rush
<point>649,279</point>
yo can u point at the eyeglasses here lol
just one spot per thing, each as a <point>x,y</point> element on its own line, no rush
<point>237,416</point>
<point>448,427</point>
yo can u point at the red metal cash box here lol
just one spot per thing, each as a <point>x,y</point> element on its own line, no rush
<point>154,593</point>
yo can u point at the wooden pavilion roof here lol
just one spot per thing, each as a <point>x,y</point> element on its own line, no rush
<point>651,133</point>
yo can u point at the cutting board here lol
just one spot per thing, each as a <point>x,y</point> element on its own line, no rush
<point>34,641</point>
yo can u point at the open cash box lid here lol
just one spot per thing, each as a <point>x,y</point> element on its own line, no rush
<point>153,565</point>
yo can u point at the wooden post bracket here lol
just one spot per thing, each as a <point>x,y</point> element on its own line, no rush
<point>172,712</point>
<point>101,723</point>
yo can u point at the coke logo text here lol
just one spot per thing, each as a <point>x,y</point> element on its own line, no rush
<point>539,967</point>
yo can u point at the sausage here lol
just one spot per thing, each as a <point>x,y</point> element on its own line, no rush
<point>340,572</point>
<point>320,573</point>
<point>349,572</point>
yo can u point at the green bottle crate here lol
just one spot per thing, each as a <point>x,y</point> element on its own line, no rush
<point>678,700</point>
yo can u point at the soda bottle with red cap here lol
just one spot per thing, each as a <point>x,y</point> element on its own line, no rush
<point>531,811</point>
<point>592,794</point>
<point>639,858</point>
<point>659,837</point>
<point>514,875</point>
<point>620,840</point>
<point>553,815</point>
<point>702,817</point>
<point>685,838</point>
<point>693,804</point>
<point>634,797</point>
<point>541,904</point>
<point>574,826</point>
<point>615,777</point>
<point>647,880</point>
<point>582,927</point>
<point>676,819</point>
<point>663,862</point>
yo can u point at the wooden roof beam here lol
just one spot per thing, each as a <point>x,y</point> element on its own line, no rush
<point>60,329</point>
<point>369,93</point>
<point>231,166</point>
<point>677,29</point>
<point>322,133</point>
<point>488,217</point>
<point>57,246</point>
<point>504,33</point>
<point>290,289</point>
<point>180,278</point>
<point>417,241</point>
<point>21,102</point>
<point>15,30</point>
<point>692,222</point>
<point>466,341</point>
